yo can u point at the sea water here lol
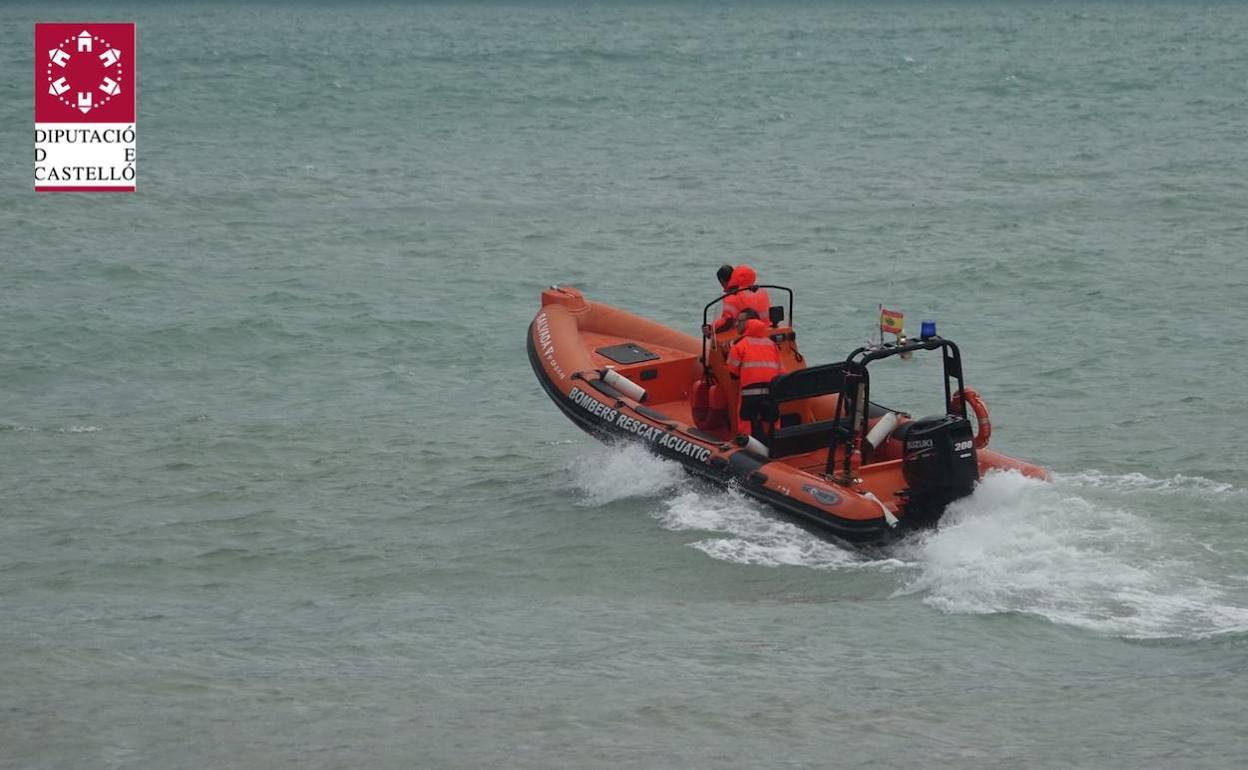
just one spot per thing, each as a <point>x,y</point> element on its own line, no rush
<point>279,489</point>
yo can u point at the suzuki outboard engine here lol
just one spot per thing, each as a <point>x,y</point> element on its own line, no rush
<point>938,462</point>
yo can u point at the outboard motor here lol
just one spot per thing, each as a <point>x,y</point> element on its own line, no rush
<point>939,462</point>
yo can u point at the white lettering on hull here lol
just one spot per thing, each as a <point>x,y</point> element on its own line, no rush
<point>642,430</point>
<point>547,345</point>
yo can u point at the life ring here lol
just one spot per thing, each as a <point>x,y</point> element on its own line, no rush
<point>976,402</point>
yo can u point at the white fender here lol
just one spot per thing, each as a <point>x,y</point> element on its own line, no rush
<point>753,446</point>
<point>882,430</point>
<point>624,385</point>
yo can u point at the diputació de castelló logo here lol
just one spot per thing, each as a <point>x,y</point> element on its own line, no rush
<point>85,84</point>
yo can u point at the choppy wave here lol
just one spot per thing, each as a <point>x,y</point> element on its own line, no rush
<point>1138,482</point>
<point>18,428</point>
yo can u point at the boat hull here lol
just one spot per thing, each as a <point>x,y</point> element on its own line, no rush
<point>565,342</point>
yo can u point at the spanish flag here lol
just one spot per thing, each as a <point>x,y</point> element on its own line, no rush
<point>890,321</point>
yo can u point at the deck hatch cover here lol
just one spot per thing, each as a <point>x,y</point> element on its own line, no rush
<point>628,353</point>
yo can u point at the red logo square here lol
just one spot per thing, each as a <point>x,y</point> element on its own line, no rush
<point>84,73</point>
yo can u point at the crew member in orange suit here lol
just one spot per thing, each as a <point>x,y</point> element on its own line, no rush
<point>731,304</point>
<point>743,277</point>
<point>755,361</point>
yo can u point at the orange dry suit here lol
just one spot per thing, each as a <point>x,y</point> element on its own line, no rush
<point>755,360</point>
<point>742,278</point>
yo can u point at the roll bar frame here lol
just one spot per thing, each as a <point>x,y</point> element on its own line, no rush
<point>856,393</point>
<point>853,385</point>
<point>725,295</point>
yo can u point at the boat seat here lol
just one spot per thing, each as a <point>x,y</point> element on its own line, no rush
<point>808,437</point>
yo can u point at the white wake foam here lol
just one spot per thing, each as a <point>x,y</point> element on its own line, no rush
<point>757,536</point>
<point>1082,550</point>
<point>1023,546</point>
<point>607,473</point>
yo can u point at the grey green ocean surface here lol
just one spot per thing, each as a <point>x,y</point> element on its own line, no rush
<point>278,487</point>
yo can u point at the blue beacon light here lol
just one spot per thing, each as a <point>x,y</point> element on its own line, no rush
<point>928,331</point>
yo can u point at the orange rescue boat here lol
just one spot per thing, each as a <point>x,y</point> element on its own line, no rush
<point>827,454</point>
